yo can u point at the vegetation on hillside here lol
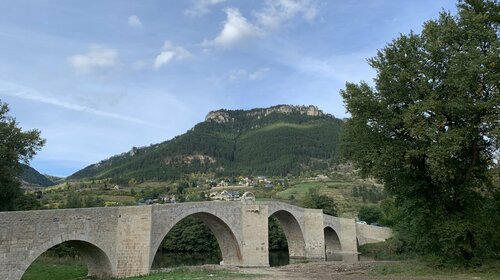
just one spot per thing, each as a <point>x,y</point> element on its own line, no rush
<point>429,130</point>
<point>32,177</point>
<point>247,143</point>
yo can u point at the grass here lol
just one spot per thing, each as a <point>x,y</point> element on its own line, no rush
<point>489,270</point>
<point>52,269</point>
<point>49,271</point>
<point>298,190</point>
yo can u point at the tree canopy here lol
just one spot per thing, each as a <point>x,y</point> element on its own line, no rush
<point>429,128</point>
<point>15,146</point>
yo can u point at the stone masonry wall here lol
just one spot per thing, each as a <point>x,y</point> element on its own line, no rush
<point>372,234</point>
<point>26,235</point>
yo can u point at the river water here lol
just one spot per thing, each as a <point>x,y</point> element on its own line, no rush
<point>174,259</point>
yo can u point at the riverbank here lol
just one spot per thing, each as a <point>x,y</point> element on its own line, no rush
<point>366,270</point>
<point>370,270</point>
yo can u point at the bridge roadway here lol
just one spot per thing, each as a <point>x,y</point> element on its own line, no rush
<point>122,241</point>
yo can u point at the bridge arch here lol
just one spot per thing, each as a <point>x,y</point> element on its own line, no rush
<point>97,259</point>
<point>333,247</point>
<point>227,240</point>
<point>293,233</point>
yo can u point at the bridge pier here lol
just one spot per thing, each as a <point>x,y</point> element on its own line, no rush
<point>313,235</point>
<point>255,247</point>
<point>133,241</point>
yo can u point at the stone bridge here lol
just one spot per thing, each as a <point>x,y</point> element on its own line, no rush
<point>122,241</point>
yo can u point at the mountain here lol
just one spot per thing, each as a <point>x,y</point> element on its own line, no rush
<point>31,177</point>
<point>279,140</point>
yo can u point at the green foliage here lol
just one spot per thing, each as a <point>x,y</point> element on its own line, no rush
<point>429,129</point>
<point>75,200</point>
<point>277,238</point>
<point>391,214</point>
<point>387,250</point>
<point>62,250</point>
<point>15,146</point>
<point>190,235</point>
<point>370,214</point>
<point>27,202</point>
<point>369,194</point>
<point>274,144</point>
<point>319,201</point>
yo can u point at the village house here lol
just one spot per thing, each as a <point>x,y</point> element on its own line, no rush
<point>225,195</point>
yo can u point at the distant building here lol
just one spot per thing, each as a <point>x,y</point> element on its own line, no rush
<point>225,195</point>
<point>222,183</point>
<point>263,179</point>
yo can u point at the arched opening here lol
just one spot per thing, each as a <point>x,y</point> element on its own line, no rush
<point>69,260</point>
<point>285,234</point>
<point>333,248</point>
<point>278,246</point>
<point>197,239</point>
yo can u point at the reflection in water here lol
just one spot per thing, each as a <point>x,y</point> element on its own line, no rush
<point>174,259</point>
<point>278,258</point>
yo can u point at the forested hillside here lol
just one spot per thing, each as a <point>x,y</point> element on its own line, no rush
<point>279,140</point>
<point>30,176</point>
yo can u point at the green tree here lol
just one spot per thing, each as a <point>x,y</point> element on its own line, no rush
<point>73,200</point>
<point>320,201</point>
<point>370,214</point>
<point>15,146</point>
<point>429,129</point>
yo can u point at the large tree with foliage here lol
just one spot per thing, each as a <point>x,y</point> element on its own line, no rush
<point>15,146</point>
<point>429,128</point>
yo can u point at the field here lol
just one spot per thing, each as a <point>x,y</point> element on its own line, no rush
<point>340,189</point>
<point>338,185</point>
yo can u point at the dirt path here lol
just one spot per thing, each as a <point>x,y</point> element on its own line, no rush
<point>331,271</point>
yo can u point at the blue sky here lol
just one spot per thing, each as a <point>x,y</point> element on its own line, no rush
<point>99,77</point>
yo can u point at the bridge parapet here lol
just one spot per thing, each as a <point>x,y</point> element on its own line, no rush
<point>372,234</point>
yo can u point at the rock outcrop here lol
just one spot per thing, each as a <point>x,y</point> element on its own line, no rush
<point>223,116</point>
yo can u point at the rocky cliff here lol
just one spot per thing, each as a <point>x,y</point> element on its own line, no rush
<point>223,116</point>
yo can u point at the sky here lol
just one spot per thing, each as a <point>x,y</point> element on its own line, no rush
<point>100,77</point>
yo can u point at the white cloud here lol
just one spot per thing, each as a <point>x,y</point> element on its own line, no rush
<point>277,12</point>
<point>274,14</point>
<point>134,21</point>
<point>236,74</point>
<point>25,93</point>
<point>244,74</point>
<point>169,52</point>
<point>236,28</point>
<point>259,74</point>
<point>96,58</point>
<point>201,7</point>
